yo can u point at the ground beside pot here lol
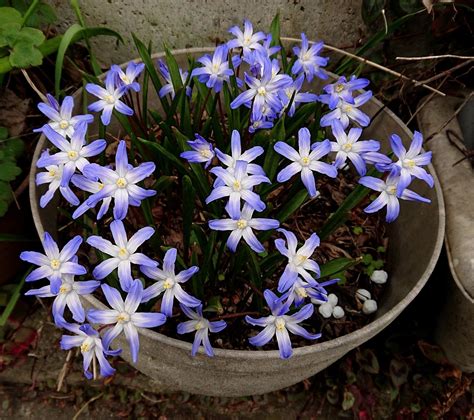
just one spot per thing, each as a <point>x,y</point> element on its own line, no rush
<point>413,251</point>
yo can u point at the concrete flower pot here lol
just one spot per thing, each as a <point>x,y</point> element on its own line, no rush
<point>415,243</point>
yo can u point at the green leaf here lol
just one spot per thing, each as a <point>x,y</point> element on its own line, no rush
<point>158,148</point>
<point>72,35</point>
<point>9,171</point>
<point>25,55</point>
<point>352,200</point>
<point>275,30</point>
<point>337,265</point>
<point>13,299</point>
<point>189,195</point>
<point>150,68</point>
<point>9,15</point>
<point>292,205</point>
<point>3,133</point>
<point>174,70</point>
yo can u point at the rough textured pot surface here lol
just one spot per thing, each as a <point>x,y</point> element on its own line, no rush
<point>415,244</point>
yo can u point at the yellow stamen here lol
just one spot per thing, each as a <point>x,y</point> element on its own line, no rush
<point>242,224</point>
<point>392,190</point>
<point>237,185</point>
<point>72,154</point>
<point>168,283</point>
<point>122,253</point>
<point>63,124</point>
<point>121,183</point>
<point>65,288</point>
<point>339,88</point>
<point>109,99</point>
<point>347,147</point>
<point>261,90</point>
<point>55,264</point>
<point>280,324</point>
<point>305,161</point>
<point>85,347</point>
<point>100,185</point>
<point>123,317</point>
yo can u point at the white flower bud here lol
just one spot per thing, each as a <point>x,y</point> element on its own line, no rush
<point>363,295</point>
<point>325,310</point>
<point>332,299</point>
<point>337,312</point>
<point>369,307</point>
<point>379,276</point>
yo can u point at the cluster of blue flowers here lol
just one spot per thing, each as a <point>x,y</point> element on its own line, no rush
<point>269,94</point>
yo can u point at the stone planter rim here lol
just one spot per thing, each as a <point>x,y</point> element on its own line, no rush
<point>345,340</point>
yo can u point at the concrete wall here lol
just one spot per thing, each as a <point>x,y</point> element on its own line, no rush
<point>186,23</point>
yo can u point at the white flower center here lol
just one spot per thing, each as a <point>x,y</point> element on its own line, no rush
<point>121,182</point>
<point>109,99</point>
<point>205,153</point>
<point>72,155</point>
<point>280,323</point>
<point>215,68</point>
<point>55,264</point>
<point>261,90</point>
<point>123,253</point>
<point>299,259</point>
<point>65,288</point>
<point>346,108</point>
<point>125,79</point>
<point>87,345</point>
<point>247,40</point>
<point>52,173</point>
<point>63,124</point>
<point>237,186</point>
<point>242,224</point>
<point>123,317</point>
<point>305,161</point>
<point>347,147</point>
<point>391,189</point>
<point>301,291</point>
<point>306,56</point>
<point>409,163</point>
<point>199,325</point>
<point>168,283</point>
<point>339,88</point>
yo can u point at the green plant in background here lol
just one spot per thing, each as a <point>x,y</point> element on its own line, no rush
<point>10,151</point>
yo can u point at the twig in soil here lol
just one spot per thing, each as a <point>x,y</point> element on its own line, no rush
<point>152,400</point>
<point>33,86</point>
<point>76,416</point>
<point>63,372</point>
<point>378,66</point>
<point>433,57</point>
<point>446,72</point>
<point>237,315</point>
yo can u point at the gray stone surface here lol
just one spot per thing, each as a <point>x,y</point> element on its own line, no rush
<point>457,182</point>
<point>196,23</point>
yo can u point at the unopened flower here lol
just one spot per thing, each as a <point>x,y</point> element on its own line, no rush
<point>242,227</point>
<point>301,290</point>
<point>201,327</point>
<point>305,160</point>
<point>215,70</point>
<point>325,310</point>
<point>279,324</point>
<point>121,183</point>
<point>347,146</point>
<point>337,312</point>
<point>379,276</point>
<point>90,344</point>
<point>389,195</point>
<point>169,283</point>
<point>67,296</point>
<point>61,119</point>
<point>266,48</point>
<point>345,112</point>
<point>202,152</point>
<point>238,186</point>
<point>125,316</point>
<point>308,61</point>
<point>299,261</point>
<point>109,98</point>
<point>168,87</point>
<point>363,295</point>
<point>54,263</point>
<point>127,78</point>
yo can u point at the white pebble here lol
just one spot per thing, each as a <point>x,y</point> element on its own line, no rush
<point>379,276</point>
<point>325,310</point>
<point>332,299</point>
<point>369,307</point>
<point>337,312</point>
<point>363,295</point>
